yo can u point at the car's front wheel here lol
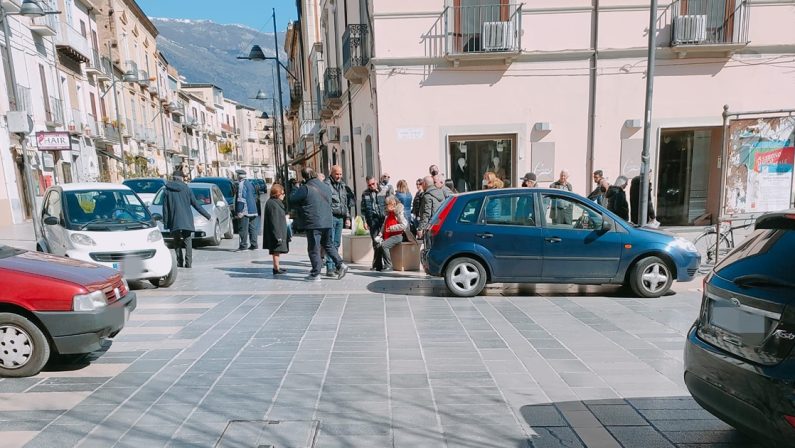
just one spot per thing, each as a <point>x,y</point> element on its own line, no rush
<point>651,277</point>
<point>24,349</point>
<point>170,278</point>
<point>465,277</point>
<point>216,239</point>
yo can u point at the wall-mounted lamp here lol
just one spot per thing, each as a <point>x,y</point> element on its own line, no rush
<point>633,124</point>
<point>542,126</point>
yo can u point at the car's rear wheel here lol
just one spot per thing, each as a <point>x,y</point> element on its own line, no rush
<point>167,280</point>
<point>651,277</point>
<point>465,277</point>
<point>216,239</point>
<point>24,349</point>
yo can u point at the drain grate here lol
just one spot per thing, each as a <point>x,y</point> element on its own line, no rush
<point>269,434</point>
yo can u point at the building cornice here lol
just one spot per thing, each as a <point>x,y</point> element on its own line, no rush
<point>139,13</point>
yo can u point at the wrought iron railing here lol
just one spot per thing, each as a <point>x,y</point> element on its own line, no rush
<point>55,111</point>
<point>23,99</point>
<point>483,28</point>
<point>331,84</point>
<point>355,46</point>
<point>296,94</point>
<point>709,22</point>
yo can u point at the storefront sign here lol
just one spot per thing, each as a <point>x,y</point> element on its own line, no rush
<point>760,165</point>
<point>53,141</point>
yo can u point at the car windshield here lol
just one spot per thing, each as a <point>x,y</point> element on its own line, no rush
<point>144,185</point>
<point>105,210</point>
<point>202,195</point>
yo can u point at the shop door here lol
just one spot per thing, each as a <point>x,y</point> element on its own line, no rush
<point>683,179</point>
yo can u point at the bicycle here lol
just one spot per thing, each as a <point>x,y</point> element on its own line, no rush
<point>706,241</point>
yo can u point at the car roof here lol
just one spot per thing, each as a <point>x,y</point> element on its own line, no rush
<point>213,179</point>
<point>201,185</point>
<point>82,186</point>
<point>518,190</point>
<point>146,178</point>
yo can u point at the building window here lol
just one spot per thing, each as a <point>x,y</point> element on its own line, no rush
<point>472,156</point>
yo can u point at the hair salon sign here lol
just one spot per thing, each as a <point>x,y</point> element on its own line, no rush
<point>53,141</point>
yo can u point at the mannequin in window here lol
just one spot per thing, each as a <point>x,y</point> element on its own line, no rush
<point>461,175</point>
<point>497,168</point>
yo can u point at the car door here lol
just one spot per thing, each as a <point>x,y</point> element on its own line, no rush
<point>509,231</point>
<point>55,234</point>
<point>223,211</point>
<point>575,245</point>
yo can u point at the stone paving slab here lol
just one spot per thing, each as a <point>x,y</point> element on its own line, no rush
<point>377,361</point>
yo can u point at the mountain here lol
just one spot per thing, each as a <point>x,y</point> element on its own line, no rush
<point>205,52</point>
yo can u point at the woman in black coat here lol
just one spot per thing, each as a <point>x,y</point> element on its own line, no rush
<point>275,237</point>
<point>617,198</point>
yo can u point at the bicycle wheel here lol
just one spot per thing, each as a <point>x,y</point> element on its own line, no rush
<point>705,244</point>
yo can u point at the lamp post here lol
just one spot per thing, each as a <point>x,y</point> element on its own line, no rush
<point>263,97</point>
<point>28,8</point>
<point>126,77</point>
<point>256,54</point>
<point>644,155</point>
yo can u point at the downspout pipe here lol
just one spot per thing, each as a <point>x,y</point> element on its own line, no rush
<point>592,79</point>
<point>350,123</point>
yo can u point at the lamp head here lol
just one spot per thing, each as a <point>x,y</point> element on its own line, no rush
<point>256,53</point>
<point>264,115</point>
<point>130,76</point>
<point>260,95</point>
<point>31,8</point>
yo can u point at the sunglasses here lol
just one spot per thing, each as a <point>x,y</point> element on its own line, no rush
<point>371,185</point>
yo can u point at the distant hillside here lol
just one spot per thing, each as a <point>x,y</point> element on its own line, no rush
<point>205,52</point>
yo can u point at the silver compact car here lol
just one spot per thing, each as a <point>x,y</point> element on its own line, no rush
<point>209,231</point>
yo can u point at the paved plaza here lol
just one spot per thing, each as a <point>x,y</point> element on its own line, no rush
<point>371,361</point>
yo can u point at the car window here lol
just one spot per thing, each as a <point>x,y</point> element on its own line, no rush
<point>202,195</point>
<point>566,213</point>
<point>104,207</point>
<point>158,200</point>
<point>217,196</point>
<point>471,211</point>
<point>53,206</point>
<point>511,210</point>
<point>144,185</point>
<point>765,251</point>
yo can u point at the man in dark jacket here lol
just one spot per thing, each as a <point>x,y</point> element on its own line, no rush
<point>246,210</point>
<point>432,198</point>
<point>342,202</point>
<point>313,199</point>
<point>634,199</point>
<point>373,206</point>
<point>177,217</point>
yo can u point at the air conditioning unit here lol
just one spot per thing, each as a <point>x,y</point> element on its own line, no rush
<point>690,29</point>
<point>333,134</point>
<point>497,36</point>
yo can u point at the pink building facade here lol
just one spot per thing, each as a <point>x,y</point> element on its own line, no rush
<point>547,85</point>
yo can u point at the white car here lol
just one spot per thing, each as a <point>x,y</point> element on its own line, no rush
<point>106,224</point>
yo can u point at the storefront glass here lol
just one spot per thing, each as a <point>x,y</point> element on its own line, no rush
<point>473,156</point>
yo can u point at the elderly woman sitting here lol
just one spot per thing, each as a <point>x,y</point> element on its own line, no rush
<point>391,232</point>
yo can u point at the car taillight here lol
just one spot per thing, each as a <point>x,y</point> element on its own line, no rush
<point>790,419</point>
<point>437,225</point>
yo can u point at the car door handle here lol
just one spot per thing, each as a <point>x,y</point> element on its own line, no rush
<point>484,235</point>
<point>553,239</point>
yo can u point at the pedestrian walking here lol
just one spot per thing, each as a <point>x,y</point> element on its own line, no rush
<point>313,199</point>
<point>342,202</point>
<point>602,184</point>
<point>391,233</point>
<point>275,236</point>
<point>562,210</point>
<point>634,199</point>
<point>177,217</point>
<point>386,186</point>
<point>617,198</point>
<point>404,196</point>
<point>246,211</point>
<point>432,198</point>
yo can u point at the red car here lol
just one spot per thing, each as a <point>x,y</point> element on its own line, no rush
<point>51,304</point>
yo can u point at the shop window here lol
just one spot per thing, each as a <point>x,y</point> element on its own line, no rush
<point>472,157</point>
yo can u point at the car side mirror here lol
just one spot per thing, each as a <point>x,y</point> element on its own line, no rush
<point>607,225</point>
<point>220,204</point>
<point>157,217</point>
<point>51,221</point>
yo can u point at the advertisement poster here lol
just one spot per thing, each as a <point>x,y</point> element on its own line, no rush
<point>760,165</point>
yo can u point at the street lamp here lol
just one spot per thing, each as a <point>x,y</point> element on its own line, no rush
<point>29,8</point>
<point>172,105</point>
<point>263,97</point>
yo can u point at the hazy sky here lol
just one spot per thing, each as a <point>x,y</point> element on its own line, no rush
<point>253,13</point>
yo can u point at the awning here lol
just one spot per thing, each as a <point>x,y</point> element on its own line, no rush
<point>109,154</point>
<point>304,158</point>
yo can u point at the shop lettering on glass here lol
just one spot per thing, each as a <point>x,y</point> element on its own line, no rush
<point>53,141</point>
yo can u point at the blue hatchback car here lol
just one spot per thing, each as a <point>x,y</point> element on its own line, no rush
<point>531,235</point>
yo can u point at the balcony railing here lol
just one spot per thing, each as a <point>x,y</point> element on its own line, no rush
<point>296,94</point>
<point>91,125</point>
<point>355,52</point>
<point>44,26</point>
<point>709,22</point>
<point>76,122</point>
<point>55,112</point>
<point>332,90</point>
<point>23,99</point>
<point>482,29</point>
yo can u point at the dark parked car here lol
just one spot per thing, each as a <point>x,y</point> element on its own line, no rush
<point>146,188</point>
<point>548,236</point>
<point>51,304</point>
<point>739,363</point>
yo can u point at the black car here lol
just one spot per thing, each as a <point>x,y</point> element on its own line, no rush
<point>739,362</point>
<point>228,187</point>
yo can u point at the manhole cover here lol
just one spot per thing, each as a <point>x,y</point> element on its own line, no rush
<point>269,434</point>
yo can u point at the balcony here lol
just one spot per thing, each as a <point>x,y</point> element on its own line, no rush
<point>150,136</point>
<point>296,94</point>
<point>90,128</point>
<point>139,132</point>
<point>44,25</point>
<point>54,113</point>
<point>107,133</point>
<point>73,44</point>
<point>143,78</point>
<point>227,128</point>
<point>706,26</point>
<point>481,32</point>
<point>76,122</point>
<point>94,65</point>
<point>11,5</point>
<point>252,136</point>
<point>356,53</point>
<point>332,92</point>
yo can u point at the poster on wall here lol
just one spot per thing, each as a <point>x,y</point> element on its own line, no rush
<point>760,165</point>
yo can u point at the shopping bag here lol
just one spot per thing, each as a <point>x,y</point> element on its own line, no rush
<point>358,227</point>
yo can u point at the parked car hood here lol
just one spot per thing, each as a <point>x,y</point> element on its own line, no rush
<point>121,241</point>
<point>53,266</point>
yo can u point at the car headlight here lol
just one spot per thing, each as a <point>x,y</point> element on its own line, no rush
<point>89,302</point>
<point>154,236</point>
<point>199,220</point>
<point>82,239</point>
<point>686,245</point>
